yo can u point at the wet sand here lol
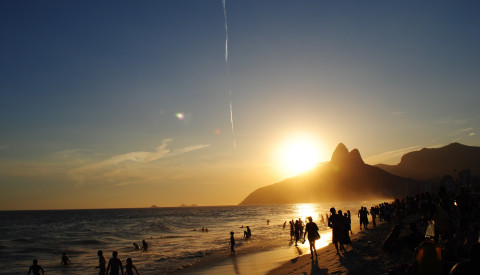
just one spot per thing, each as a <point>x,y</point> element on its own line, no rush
<point>364,257</point>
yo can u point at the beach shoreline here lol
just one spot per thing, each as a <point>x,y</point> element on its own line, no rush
<point>365,255</point>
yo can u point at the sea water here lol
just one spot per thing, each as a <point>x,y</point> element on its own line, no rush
<point>174,235</point>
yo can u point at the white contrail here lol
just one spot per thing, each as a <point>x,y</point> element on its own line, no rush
<point>226,66</point>
<point>226,32</point>
<point>231,121</point>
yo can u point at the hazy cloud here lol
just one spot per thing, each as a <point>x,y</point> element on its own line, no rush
<point>391,157</point>
<point>452,120</point>
<point>3,147</point>
<point>129,167</point>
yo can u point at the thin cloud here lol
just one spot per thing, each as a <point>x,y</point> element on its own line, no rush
<point>390,156</point>
<point>452,120</point>
<point>129,167</point>
<point>462,131</point>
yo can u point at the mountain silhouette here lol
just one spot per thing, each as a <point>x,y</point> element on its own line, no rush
<point>434,163</point>
<point>345,177</point>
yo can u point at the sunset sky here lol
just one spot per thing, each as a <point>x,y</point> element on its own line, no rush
<point>131,103</point>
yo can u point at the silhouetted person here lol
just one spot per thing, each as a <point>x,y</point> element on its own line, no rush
<point>35,268</point>
<point>129,267</point>
<point>101,263</point>
<point>336,222</point>
<point>297,231</point>
<point>247,234</point>
<point>470,266</point>
<point>268,222</point>
<point>136,246</point>
<point>312,229</point>
<point>65,260</point>
<point>115,264</point>
<point>232,244</point>
<point>415,237</point>
<point>144,245</point>
<point>428,259</point>
<point>392,242</point>
<point>373,212</point>
<point>292,229</point>
<point>284,224</point>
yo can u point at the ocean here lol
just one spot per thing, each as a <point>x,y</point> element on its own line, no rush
<point>174,235</point>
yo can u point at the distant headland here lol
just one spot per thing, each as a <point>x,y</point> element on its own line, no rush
<point>347,177</point>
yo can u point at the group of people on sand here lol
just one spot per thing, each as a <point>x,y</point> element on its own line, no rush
<point>451,222</point>
<point>341,225</point>
<point>298,230</point>
<point>440,231</point>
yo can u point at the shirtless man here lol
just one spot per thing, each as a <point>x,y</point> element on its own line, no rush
<point>35,268</point>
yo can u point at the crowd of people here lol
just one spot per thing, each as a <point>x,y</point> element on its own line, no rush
<point>440,230</point>
<point>451,222</point>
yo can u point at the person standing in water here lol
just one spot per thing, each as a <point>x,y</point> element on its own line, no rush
<point>101,263</point>
<point>312,229</point>
<point>232,244</point>
<point>144,245</point>
<point>129,267</point>
<point>115,264</point>
<point>35,268</point>
<point>65,260</point>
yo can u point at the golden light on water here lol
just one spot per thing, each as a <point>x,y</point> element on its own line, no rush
<point>305,210</point>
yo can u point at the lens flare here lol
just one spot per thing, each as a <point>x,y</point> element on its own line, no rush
<point>180,116</point>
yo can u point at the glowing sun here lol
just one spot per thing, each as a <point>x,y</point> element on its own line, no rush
<point>299,154</point>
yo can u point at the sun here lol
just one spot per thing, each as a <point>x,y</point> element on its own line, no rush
<point>299,154</point>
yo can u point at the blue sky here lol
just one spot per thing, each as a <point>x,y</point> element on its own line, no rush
<point>90,92</point>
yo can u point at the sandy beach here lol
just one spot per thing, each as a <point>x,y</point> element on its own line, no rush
<point>364,256</point>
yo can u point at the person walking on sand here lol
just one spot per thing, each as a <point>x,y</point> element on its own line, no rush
<point>144,245</point>
<point>129,267</point>
<point>35,268</point>
<point>65,260</point>
<point>232,244</point>
<point>335,222</point>
<point>312,229</point>
<point>101,263</point>
<point>115,264</point>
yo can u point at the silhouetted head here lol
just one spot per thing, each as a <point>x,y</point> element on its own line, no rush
<point>310,219</point>
<point>35,261</point>
<point>63,253</point>
<point>340,212</point>
<point>100,253</point>
<point>114,254</point>
<point>332,210</point>
<point>129,260</point>
<point>231,233</point>
<point>413,227</point>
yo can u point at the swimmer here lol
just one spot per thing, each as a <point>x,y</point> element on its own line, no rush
<point>35,268</point>
<point>129,267</point>
<point>65,260</point>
